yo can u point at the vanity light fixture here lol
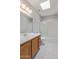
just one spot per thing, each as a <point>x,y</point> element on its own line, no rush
<point>28,9</point>
<point>25,9</point>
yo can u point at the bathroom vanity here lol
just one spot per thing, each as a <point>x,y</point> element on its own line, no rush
<point>29,45</point>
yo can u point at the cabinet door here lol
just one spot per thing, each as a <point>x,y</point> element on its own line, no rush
<point>25,51</point>
<point>35,46</point>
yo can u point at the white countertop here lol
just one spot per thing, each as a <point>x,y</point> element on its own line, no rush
<point>27,37</point>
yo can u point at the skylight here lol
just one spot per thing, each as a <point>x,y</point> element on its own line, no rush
<point>45,5</point>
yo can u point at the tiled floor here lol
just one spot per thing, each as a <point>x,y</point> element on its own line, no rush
<point>48,51</point>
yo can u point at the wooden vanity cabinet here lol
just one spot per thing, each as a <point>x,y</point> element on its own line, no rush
<point>25,50</point>
<point>29,49</point>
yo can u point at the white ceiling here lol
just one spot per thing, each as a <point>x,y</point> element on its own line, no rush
<point>52,11</point>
